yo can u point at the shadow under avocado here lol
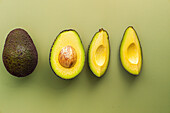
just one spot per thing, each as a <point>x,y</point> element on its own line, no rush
<point>53,81</point>
<point>93,79</point>
<point>22,81</point>
<point>129,78</point>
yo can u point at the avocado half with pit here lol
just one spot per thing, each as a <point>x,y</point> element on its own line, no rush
<point>67,55</point>
<point>131,52</point>
<point>99,53</point>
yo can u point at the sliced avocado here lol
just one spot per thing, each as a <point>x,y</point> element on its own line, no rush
<point>131,52</point>
<point>99,53</point>
<point>20,56</point>
<point>67,55</point>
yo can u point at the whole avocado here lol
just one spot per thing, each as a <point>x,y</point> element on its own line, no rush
<point>20,56</point>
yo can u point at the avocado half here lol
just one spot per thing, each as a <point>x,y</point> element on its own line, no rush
<point>67,55</point>
<point>131,52</point>
<point>99,53</point>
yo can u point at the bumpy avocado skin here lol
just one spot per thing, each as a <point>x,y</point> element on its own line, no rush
<point>89,51</point>
<point>20,56</point>
<point>140,48</point>
<point>51,51</point>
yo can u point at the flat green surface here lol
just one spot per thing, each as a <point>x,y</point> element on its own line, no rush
<point>117,91</point>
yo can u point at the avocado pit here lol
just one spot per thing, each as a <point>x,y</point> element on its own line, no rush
<point>67,57</point>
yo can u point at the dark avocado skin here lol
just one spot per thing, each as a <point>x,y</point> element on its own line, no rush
<point>20,56</point>
<point>140,48</point>
<point>109,53</point>
<point>52,47</point>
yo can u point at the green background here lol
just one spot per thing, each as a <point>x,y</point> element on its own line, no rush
<point>117,91</point>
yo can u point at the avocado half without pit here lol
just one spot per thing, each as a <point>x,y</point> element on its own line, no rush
<point>67,55</point>
<point>131,52</point>
<point>99,53</point>
<point>20,56</point>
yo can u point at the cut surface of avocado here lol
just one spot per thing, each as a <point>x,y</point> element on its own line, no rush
<point>98,54</point>
<point>131,52</point>
<point>67,55</point>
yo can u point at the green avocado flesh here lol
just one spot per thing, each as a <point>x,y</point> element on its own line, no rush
<point>131,52</point>
<point>67,55</point>
<point>99,53</point>
<point>20,56</point>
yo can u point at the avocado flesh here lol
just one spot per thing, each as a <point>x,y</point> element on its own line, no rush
<point>131,52</point>
<point>20,56</point>
<point>67,38</point>
<point>98,54</point>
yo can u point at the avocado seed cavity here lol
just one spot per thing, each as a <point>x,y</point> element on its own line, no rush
<point>133,55</point>
<point>100,55</point>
